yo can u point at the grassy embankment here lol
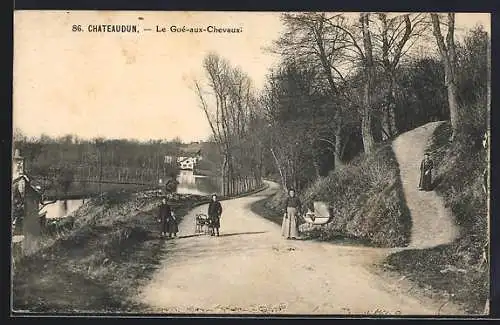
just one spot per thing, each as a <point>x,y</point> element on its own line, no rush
<point>110,248</point>
<point>366,200</point>
<point>100,256</point>
<point>456,268</point>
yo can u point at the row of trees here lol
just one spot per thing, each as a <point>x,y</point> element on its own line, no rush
<point>342,86</point>
<point>58,162</point>
<point>229,102</point>
<point>126,153</point>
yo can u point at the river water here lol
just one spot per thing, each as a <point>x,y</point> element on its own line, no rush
<point>189,183</point>
<point>61,208</point>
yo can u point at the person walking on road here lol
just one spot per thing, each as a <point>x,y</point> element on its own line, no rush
<point>426,167</point>
<point>289,226</point>
<point>164,216</point>
<point>214,213</point>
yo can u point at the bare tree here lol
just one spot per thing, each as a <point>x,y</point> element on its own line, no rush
<point>100,145</point>
<point>395,38</point>
<point>312,39</point>
<point>361,56</point>
<point>299,120</point>
<point>447,50</point>
<point>229,116</point>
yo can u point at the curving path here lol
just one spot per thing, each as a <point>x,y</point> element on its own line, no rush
<point>432,224</point>
<point>251,269</point>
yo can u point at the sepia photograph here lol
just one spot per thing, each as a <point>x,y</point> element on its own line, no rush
<point>251,163</point>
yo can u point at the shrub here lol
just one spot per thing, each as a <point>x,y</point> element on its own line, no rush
<point>366,201</point>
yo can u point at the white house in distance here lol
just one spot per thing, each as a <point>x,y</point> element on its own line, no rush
<point>184,162</point>
<point>187,163</point>
<point>187,158</point>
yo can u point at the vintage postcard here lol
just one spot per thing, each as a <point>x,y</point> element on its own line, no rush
<point>251,163</point>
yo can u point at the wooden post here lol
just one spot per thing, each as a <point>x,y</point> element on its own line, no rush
<point>31,224</point>
<point>100,172</point>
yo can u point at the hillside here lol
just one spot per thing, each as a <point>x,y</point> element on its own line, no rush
<point>456,268</point>
<point>366,200</point>
<point>375,200</point>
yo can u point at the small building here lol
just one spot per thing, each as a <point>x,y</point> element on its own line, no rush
<point>187,163</point>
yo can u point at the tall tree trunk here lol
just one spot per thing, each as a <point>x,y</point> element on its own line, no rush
<point>389,127</point>
<point>386,126</point>
<point>280,169</point>
<point>366,123</point>
<point>452,89</point>
<point>100,173</point>
<point>392,106</point>
<point>449,58</point>
<point>339,141</point>
<point>315,159</point>
<point>224,176</point>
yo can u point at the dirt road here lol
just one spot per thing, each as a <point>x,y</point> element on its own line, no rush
<point>251,269</point>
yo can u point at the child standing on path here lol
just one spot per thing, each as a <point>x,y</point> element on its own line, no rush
<point>164,215</point>
<point>214,213</point>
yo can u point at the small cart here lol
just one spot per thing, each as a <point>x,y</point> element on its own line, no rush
<point>203,224</point>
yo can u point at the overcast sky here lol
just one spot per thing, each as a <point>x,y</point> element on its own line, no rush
<point>132,85</point>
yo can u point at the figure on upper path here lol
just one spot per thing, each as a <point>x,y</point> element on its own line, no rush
<point>426,167</point>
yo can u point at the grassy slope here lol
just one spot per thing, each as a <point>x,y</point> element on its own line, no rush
<point>112,247</point>
<point>366,199</point>
<point>459,168</point>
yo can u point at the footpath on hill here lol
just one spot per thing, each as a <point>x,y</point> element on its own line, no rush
<point>251,269</point>
<point>432,224</point>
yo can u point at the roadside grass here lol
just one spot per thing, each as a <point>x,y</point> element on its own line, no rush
<point>270,207</point>
<point>366,200</point>
<point>455,269</point>
<point>97,264</point>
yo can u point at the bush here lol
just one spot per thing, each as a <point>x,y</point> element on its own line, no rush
<point>113,198</point>
<point>58,225</point>
<point>365,198</point>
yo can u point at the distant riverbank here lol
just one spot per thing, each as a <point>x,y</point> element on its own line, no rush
<point>84,190</point>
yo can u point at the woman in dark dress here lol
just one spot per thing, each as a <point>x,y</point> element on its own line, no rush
<point>426,167</point>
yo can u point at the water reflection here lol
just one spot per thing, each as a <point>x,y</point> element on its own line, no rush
<point>189,183</point>
<point>61,208</point>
